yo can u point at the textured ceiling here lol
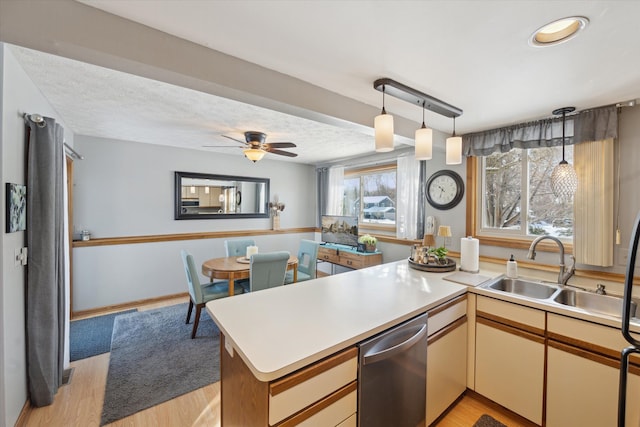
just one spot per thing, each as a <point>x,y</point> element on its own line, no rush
<point>471,54</point>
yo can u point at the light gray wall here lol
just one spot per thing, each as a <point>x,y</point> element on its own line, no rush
<point>455,217</point>
<point>19,96</point>
<point>125,189</point>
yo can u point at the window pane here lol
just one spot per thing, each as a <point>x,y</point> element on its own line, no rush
<point>546,214</point>
<point>351,203</point>
<point>502,195</point>
<point>379,198</point>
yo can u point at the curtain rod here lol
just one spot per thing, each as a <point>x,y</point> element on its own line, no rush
<point>39,120</point>
<point>73,152</point>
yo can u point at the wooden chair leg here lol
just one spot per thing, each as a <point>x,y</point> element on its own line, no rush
<point>189,311</point>
<point>196,320</point>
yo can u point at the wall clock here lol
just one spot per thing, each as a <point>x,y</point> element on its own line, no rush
<point>445,189</point>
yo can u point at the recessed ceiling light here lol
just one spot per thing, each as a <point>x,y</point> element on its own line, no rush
<point>558,31</point>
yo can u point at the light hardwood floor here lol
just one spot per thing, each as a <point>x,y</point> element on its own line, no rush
<point>79,404</point>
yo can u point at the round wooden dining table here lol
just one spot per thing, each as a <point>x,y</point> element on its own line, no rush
<point>233,268</point>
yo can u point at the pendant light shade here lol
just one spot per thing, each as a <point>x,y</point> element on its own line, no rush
<point>254,154</point>
<point>383,125</point>
<point>454,147</point>
<point>564,179</point>
<point>424,141</point>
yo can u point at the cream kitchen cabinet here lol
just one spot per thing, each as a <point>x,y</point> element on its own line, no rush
<point>583,372</point>
<point>446,356</point>
<point>324,393</point>
<point>510,354</point>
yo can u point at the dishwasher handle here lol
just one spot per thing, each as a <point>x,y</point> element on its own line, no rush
<point>392,351</point>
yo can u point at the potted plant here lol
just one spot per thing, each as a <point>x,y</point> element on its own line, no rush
<point>369,242</point>
<point>440,254</point>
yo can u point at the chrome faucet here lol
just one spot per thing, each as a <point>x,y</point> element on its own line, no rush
<point>563,276</point>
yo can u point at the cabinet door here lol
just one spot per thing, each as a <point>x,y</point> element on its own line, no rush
<point>510,368</point>
<point>446,370</point>
<point>582,389</point>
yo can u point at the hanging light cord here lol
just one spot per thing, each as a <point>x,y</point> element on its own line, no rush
<point>564,114</point>
<point>383,110</point>
<point>618,179</point>
<point>423,125</point>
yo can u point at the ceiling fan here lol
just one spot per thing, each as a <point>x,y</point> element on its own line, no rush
<point>255,146</point>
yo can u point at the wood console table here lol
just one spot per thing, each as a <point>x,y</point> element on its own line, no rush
<point>348,257</point>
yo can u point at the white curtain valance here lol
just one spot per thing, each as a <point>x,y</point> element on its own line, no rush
<point>590,125</point>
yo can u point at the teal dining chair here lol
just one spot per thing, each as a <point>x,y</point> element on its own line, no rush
<point>200,294</point>
<point>267,270</point>
<point>238,247</point>
<point>307,261</point>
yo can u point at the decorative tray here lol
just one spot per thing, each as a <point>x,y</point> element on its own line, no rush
<point>243,260</point>
<point>434,268</point>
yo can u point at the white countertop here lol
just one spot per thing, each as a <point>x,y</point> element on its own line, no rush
<point>280,330</point>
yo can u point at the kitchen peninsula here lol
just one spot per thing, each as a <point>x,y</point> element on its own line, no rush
<point>276,342</point>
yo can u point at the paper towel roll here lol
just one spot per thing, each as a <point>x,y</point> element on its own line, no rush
<point>469,254</point>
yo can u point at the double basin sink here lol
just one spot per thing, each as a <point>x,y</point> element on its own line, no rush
<point>554,294</point>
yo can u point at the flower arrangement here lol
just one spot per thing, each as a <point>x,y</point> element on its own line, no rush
<point>276,207</point>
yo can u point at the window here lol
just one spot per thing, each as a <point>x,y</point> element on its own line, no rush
<point>370,194</point>
<point>518,182</point>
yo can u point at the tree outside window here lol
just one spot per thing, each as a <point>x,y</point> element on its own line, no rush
<point>507,177</point>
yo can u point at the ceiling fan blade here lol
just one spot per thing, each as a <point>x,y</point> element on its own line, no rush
<point>282,153</point>
<point>222,146</point>
<point>281,144</point>
<point>236,140</point>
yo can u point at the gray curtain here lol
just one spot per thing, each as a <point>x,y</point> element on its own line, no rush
<point>322,178</point>
<point>45,269</point>
<point>599,123</point>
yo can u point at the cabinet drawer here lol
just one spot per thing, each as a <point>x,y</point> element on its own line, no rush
<point>352,421</point>
<point>446,314</point>
<point>590,336</point>
<point>333,410</point>
<point>327,255</point>
<point>352,260</point>
<point>307,386</point>
<point>526,318</point>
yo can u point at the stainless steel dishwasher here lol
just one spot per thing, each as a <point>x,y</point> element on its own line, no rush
<point>392,376</point>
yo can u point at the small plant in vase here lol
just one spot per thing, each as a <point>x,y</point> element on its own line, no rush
<point>440,254</point>
<point>369,242</point>
<point>275,208</point>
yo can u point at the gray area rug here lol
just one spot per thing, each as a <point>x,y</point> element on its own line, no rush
<point>90,337</point>
<point>153,359</point>
<point>488,421</point>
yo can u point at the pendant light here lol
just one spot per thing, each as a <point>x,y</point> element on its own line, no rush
<point>454,147</point>
<point>383,125</point>
<point>424,141</point>
<point>564,180</point>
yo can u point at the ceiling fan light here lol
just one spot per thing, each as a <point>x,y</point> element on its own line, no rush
<point>424,143</point>
<point>454,150</point>
<point>383,125</point>
<point>254,154</point>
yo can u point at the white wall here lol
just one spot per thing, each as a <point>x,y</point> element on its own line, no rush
<point>19,96</point>
<point>124,189</point>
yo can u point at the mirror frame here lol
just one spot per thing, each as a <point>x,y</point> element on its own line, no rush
<point>179,215</point>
